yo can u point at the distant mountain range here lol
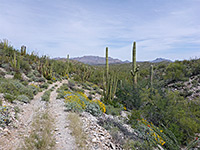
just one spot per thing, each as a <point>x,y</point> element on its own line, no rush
<point>157,60</point>
<point>96,60</point>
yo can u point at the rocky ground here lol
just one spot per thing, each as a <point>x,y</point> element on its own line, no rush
<point>12,137</point>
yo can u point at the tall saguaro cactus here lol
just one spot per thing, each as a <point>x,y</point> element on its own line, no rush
<point>107,65</point>
<point>23,50</point>
<point>110,83</point>
<point>135,69</point>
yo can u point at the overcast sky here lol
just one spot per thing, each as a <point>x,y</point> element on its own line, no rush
<point>161,28</point>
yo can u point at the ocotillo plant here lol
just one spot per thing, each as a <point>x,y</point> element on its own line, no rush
<point>135,69</point>
<point>151,76</point>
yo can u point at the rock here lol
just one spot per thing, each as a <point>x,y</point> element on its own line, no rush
<point>94,140</point>
<point>56,129</point>
<point>8,76</point>
<point>24,77</point>
<point>6,131</point>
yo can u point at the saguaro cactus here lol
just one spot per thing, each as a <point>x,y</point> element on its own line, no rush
<point>135,69</point>
<point>107,65</point>
<point>110,84</point>
<point>23,50</point>
<point>13,62</point>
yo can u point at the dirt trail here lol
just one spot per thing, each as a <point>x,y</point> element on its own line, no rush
<point>64,141</point>
<point>16,136</point>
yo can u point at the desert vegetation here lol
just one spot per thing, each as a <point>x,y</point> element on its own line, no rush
<point>160,100</point>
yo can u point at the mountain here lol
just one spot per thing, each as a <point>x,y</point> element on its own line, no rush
<point>157,60</point>
<point>96,60</point>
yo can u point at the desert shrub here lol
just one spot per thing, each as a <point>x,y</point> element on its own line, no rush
<point>78,102</point>
<point>18,75</point>
<point>44,86</point>
<point>34,88</point>
<point>49,82</point>
<point>24,65</point>
<point>62,91</point>
<point>30,74</point>
<point>46,96</point>
<point>111,110</point>
<point>2,74</point>
<point>93,108</point>
<point>172,110</point>
<point>175,72</point>
<point>23,98</point>
<point>39,79</point>
<point>9,97</point>
<point>71,83</point>
<point>128,96</point>
<point>16,88</point>
<point>36,73</point>
<point>6,67</point>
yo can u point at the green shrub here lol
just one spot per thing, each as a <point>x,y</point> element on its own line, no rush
<point>93,108</point>
<point>24,65</point>
<point>49,82</point>
<point>16,88</point>
<point>46,96</point>
<point>111,110</point>
<point>34,88</point>
<point>18,75</point>
<point>23,98</point>
<point>9,97</point>
<point>79,102</point>
<point>44,86</point>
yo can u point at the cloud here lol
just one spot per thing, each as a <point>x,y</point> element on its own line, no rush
<point>57,28</point>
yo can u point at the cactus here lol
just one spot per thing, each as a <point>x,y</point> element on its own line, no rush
<point>18,62</point>
<point>151,76</point>
<point>107,65</point>
<point>23,50</point>
<point>5,43</point>
<point>110,83</point>
<point>13,62</point>
<point>135,69</point>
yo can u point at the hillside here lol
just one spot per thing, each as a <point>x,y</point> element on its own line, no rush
<point>80,106</point>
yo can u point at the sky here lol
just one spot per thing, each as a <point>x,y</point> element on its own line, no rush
<point>161,28</point>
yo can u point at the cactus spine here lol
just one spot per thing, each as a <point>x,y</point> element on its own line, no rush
<point>135,69</point>
<point>151,76</point>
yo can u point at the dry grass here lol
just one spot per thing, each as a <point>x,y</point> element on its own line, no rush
<point>41,136</point>
<point>77,131</point>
